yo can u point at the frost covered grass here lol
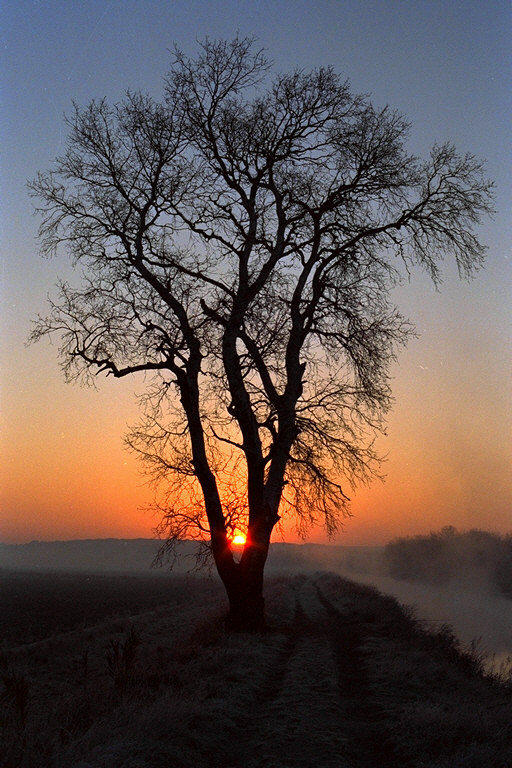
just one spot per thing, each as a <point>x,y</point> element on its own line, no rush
<point>340,666</point>
<point>442,707</point>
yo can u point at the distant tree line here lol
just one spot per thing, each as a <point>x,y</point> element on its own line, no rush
<point>446,554</point>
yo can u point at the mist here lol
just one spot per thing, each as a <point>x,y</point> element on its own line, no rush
<point>477,615</point>
<point>463,580</point>
<point>457,579</point>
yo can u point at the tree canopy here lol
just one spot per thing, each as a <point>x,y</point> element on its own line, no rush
<point>239,240</point>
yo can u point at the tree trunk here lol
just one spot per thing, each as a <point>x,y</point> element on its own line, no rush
<point>246,605</point>
<point>244,588</point>
<point>243,582</point>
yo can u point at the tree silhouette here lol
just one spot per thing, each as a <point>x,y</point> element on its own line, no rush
<point>239,241</point>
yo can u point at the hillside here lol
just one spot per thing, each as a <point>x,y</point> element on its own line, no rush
<point>343,678</point>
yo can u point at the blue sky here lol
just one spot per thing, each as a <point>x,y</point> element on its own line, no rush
<point>446,66</point>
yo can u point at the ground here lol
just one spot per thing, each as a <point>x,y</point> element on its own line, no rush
<point>342,678</point>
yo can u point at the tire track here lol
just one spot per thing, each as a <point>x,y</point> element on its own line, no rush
<point>315,706</point>
<point>296,723</point>
<point>364,720</point>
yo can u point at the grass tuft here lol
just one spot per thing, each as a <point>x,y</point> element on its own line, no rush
<point>120,657</point>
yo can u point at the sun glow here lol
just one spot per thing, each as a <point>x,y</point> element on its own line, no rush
<point>239,539</point>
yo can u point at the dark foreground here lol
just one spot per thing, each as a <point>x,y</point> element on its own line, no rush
<point>343,678</point>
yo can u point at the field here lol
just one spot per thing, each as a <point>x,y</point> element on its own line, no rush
<point>38,605</point>
<point>132,671</point>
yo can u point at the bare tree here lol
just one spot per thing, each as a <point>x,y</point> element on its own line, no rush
<point>239,242</point>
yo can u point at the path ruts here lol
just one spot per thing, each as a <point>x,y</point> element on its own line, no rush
<point>317,708</point>
<point>369,743</point>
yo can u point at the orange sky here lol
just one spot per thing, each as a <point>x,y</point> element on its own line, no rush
<point>64,472</point>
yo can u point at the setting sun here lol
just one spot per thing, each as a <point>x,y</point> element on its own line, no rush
<point>239,539</point>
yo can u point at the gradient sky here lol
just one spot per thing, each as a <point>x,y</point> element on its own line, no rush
<point>446,65</point>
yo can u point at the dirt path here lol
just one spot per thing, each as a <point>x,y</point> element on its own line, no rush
<point>317,707</point>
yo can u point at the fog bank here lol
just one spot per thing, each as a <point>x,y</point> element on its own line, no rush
<point>468,601</point>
